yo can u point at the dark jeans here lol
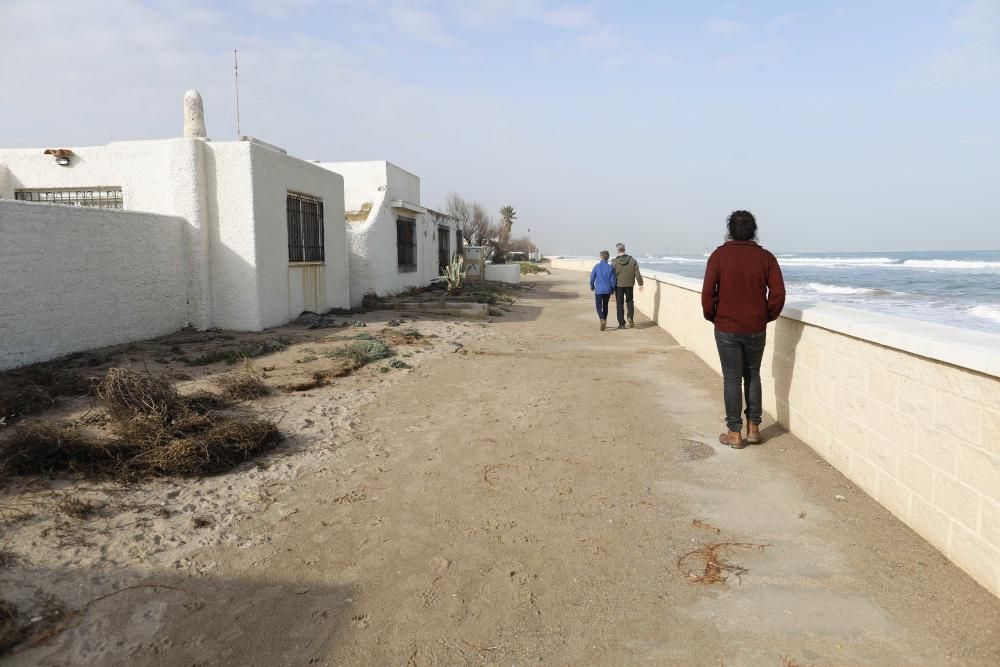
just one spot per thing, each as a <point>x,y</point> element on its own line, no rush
<point>741,355</point>
<point>623,295</point>
<point>602,305</point>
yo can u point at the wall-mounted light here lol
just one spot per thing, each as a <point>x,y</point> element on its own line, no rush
<point>62,155</point>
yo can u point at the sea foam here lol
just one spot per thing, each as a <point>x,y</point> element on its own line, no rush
<point>822,288</point>
<point>986,312</point>
<point>950,264</point>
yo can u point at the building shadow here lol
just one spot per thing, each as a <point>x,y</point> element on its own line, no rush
<point>139,618</point>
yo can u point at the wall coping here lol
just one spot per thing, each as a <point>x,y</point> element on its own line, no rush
<point>976,350</point>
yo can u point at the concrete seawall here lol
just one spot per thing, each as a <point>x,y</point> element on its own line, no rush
<point>909,411</point>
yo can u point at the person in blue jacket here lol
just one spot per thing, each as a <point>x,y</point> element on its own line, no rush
<point>602,283</point>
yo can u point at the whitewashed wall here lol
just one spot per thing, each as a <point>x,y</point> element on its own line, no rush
<point>372,242</point>
<point>909,411</point>
<point>504,273</point>
<point>78,278</point>
<point>284,291</point>
<point>232,197</point>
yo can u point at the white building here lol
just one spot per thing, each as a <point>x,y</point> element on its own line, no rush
<point>148,237</point>
<point>394,241</point>
<point>265,233</point>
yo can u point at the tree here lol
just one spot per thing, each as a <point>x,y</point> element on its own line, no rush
<point>502,242</point>
<point>477,226</point>
<point>522,244</point>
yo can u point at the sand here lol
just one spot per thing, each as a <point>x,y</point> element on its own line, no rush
<point>522,495</point>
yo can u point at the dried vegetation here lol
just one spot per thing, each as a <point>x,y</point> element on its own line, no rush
<point>710,564</point>
<point>154,432</point>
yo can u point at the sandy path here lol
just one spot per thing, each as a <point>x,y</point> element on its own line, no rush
<point>526,500</point>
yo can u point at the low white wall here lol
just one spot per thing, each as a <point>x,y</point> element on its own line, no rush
<point>504,273</point>
<point>909,411</point>
<point>74,279</point>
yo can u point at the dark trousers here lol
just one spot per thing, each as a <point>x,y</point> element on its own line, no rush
<point>741,355</point>
<point>602,305</point>
<point>623,295</point>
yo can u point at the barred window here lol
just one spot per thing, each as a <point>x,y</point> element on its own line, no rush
<point>95,197</point>
<point>444,247</point>
<point>406,244</point>
<point>305,229</point>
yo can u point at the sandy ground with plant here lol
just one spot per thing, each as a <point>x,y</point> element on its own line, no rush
<point>523,494</point>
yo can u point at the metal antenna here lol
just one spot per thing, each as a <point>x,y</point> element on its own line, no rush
<point>236,79</point>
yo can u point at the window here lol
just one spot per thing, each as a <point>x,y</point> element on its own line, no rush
<point>444,247</point>
<point>406,244</point>
<point>96,197</point>
<point>305,229</point>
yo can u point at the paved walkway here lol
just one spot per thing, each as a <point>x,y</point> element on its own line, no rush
<point>527,501</point>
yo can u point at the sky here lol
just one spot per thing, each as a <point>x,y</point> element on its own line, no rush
<point>843,125</point>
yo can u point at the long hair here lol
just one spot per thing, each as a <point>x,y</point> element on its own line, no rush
<point>741,226</point>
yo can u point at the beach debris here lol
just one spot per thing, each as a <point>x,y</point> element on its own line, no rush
<point>839,497</point>
<point>25,391</point>
<point>697,523</point>
<point>156,432</point>
<point>243,384</point>
<point>709,564</point>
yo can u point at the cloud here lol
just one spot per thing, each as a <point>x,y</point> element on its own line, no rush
<point>724,27</point>
<point>419,24</point>
<point>973,59</point>
<point>980,18</point>
<point>568,17</point>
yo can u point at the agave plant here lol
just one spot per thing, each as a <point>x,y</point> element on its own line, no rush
<point>455,272</point>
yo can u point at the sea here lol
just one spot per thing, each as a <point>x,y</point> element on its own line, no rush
<point>959,289</point>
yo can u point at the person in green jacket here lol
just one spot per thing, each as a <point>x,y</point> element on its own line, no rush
<point>627,274</point>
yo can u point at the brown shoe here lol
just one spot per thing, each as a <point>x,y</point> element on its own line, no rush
<point>631,324</point>
<point>753,433</point>
<point>732,439</point>
<point>604,325</point>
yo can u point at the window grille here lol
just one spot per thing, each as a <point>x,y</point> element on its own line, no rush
<point>406,244</point>
<point>95,197</point>
<point>305,229</point>
<point>444,247</point>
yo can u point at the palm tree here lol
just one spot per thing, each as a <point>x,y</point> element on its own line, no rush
<point>508,216</point>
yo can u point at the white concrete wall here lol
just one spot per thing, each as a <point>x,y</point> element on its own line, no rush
<point>74,278</point>
<point>161,176</point>
<point>284,290</point>
<point>372,242</point>
<point>504,273</point>
<point>909,411</point>
<point>232,198</point>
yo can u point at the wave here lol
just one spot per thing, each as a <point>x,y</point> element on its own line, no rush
<point>950,264</point>
<point>840,261</point>
<point>687,260</point>
<point>822,288</point>
<point>986,312</point>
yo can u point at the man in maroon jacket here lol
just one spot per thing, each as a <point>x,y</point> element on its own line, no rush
<point>743,291</point>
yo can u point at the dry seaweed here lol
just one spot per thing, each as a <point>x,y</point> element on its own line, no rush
<point>157,433</point>
<point>243,384</point>
<point>13,627</point>
<point>709,564</point>
<point>31,389</point>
